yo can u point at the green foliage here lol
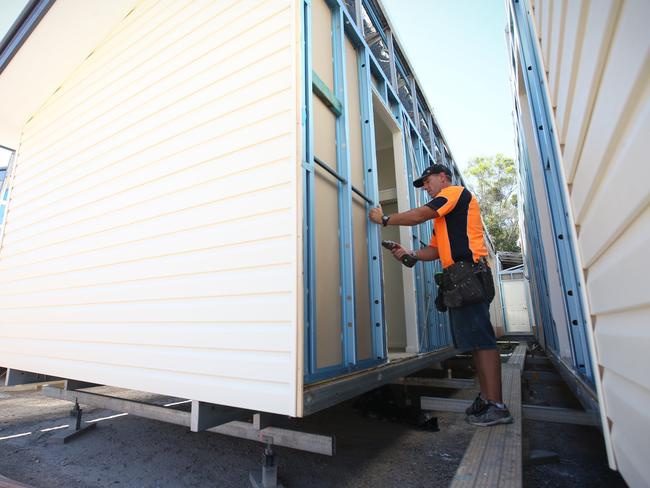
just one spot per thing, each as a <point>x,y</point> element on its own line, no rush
<point>494,182</point>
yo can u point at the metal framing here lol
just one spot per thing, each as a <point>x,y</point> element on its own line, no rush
<point>433,327</point>
<point>326,394</point>
<point>554,183</point>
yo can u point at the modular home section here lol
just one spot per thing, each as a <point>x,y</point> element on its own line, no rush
<point>152,226</point>
<point>188,206</point>
<point>369,132</point>
<point>580,76</point>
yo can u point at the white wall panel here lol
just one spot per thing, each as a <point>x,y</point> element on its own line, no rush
<point>569,55</point>
<point>603,121</point>
<point>599,24</point>
<point>624,79</point>
<point>556,36</point>
<point>627,402</point>
<point>151,236</point>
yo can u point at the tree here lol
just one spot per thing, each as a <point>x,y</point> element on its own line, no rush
<point>494,182</point>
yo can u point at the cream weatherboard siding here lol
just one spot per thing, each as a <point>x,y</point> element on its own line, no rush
<point>597,59</point>
<point>152,232</point>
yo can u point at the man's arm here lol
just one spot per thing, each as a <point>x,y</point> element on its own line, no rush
<point>425,254</point>
<point>410,217</point>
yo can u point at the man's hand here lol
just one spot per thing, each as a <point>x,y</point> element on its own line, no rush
<point>399,252</point>
<point>376,214</point>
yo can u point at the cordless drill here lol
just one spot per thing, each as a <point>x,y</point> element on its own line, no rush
<point>408,260</point>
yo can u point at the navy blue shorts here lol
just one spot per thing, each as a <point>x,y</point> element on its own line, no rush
<point>471,327</point>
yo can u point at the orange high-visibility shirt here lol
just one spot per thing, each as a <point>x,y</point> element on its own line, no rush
<point>458,231</point>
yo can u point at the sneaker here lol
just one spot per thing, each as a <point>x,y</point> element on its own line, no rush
<point>492,415</point>
<point>477,407</point>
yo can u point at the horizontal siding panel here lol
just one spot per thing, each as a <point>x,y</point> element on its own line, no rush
<point>597,58</point>
<point>627,458</point>
<point>158,140</point>
<point>607,204</point>
<point>237,151</point>
<point>150,239</point>
<point>239,281</point>
<point>623,340</point>
<point>625,78</point>
<point>137,26</point>
<point>567,70</point>
<point>600,22</point>
<point>266,252</point>
<point>268,366</point>
<point>226,391</point>
<point>150,98</point>
<point>228,233</point>
<point>546,24</point>
<point>173,47</point>
<point>249,308</point>
<point>258,336</point>
<point>95,235</point>
<point>618,280</point>
<point>627,409</point>
<point>555,49</point>
<point>138,116</point>
<point>151,199</point>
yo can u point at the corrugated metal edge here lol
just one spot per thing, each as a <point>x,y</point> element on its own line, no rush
<point>583,285</point>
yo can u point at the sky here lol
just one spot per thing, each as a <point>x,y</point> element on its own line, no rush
<point>9,10</point>
<point>457,49</point>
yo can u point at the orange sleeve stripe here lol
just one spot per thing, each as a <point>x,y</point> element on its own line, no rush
<point>451,193</point>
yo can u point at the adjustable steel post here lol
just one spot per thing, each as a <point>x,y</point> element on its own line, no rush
<point>269,476</point>
<point>70,433</point>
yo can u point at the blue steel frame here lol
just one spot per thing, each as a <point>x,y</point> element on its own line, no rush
<point>554,182</point>
<point>431,324</point>
<point>537,268</point>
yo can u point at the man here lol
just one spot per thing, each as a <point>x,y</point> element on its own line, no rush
<point>458,236</point>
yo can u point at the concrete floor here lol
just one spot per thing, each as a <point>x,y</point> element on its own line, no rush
<point>371,452</point>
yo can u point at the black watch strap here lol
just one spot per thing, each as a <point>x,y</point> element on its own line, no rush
<point>385,219</point>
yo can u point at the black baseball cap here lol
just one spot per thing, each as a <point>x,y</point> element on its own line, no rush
<point>434,169</point>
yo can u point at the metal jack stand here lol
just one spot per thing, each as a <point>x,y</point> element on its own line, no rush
<point>269,476</point>
<point>69,434</point>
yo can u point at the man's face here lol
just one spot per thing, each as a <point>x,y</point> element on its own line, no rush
<point>432,184</point>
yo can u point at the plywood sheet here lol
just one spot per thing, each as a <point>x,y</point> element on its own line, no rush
<point>328,276</point>
<point>361,279</point>
<point>357,172</point>
<point>322,58</point>
<point>393,288</point>
<point>326,234</point>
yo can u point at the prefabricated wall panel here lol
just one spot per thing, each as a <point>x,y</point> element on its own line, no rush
<point>597,60</point>
<point>151,234</point>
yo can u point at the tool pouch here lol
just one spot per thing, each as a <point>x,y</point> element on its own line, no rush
<point>485,275</point>
<point>461,285</point>
<point>440,297</point>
